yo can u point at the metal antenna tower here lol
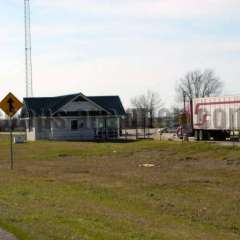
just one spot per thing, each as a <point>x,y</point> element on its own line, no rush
<point>28,49</point>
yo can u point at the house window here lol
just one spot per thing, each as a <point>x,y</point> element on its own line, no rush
<point>81,124</point>
<point>112,123</point>
<point>74,125</point>
<point>100,123</point>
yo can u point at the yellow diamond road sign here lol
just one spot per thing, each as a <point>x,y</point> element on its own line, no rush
<point>10,105</point>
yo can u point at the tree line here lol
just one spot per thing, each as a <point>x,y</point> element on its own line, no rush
<point>147,110</point>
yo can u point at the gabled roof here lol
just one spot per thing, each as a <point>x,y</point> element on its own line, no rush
<point>112,104</point>
<point>48,106</point>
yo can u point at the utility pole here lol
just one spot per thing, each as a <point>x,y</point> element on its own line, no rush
<point>28,49</point>
<point>184,102</point>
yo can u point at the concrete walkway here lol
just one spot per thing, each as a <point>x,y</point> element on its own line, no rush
<point>6,236</point>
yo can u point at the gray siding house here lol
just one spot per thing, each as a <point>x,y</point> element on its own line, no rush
<point>72,117</point>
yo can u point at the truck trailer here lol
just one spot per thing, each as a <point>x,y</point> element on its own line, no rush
<point>216,118</point>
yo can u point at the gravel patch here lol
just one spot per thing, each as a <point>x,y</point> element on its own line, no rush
<point>6,236</point>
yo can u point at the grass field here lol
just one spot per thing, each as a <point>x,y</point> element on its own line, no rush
<point>101,191</point>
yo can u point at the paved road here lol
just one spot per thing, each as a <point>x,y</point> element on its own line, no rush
<point>6,236</point>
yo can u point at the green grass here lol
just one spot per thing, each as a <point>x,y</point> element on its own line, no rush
<point>99,191</point>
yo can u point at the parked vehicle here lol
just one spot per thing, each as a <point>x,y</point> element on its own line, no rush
<point>216,118</point>
<point>168,130</point>
<point>162,130</point>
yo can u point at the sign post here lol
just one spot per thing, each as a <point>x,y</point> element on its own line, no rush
<point>11,142</point>
<point>10,105</point>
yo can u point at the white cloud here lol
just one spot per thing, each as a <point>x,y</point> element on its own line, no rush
<point>146,8</point>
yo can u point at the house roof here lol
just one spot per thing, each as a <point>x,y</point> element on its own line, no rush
<point>112,104</point>
<point>48,106</point>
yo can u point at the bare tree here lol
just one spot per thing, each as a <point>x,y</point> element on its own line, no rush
<point>149,103</point>
<point>198,84</point>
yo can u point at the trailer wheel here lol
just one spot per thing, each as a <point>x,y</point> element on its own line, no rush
<point>220,136</point>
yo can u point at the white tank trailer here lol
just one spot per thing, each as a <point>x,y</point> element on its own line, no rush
<point>216,118</point>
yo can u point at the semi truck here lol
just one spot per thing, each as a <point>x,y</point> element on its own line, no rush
<point>216,118</point>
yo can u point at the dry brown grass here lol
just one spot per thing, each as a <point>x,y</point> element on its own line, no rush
<point>71,190</point>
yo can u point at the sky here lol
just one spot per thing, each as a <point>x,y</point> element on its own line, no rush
<point>110,47</point>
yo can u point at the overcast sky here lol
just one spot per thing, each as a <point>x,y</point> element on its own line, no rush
<point>110,47</point>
